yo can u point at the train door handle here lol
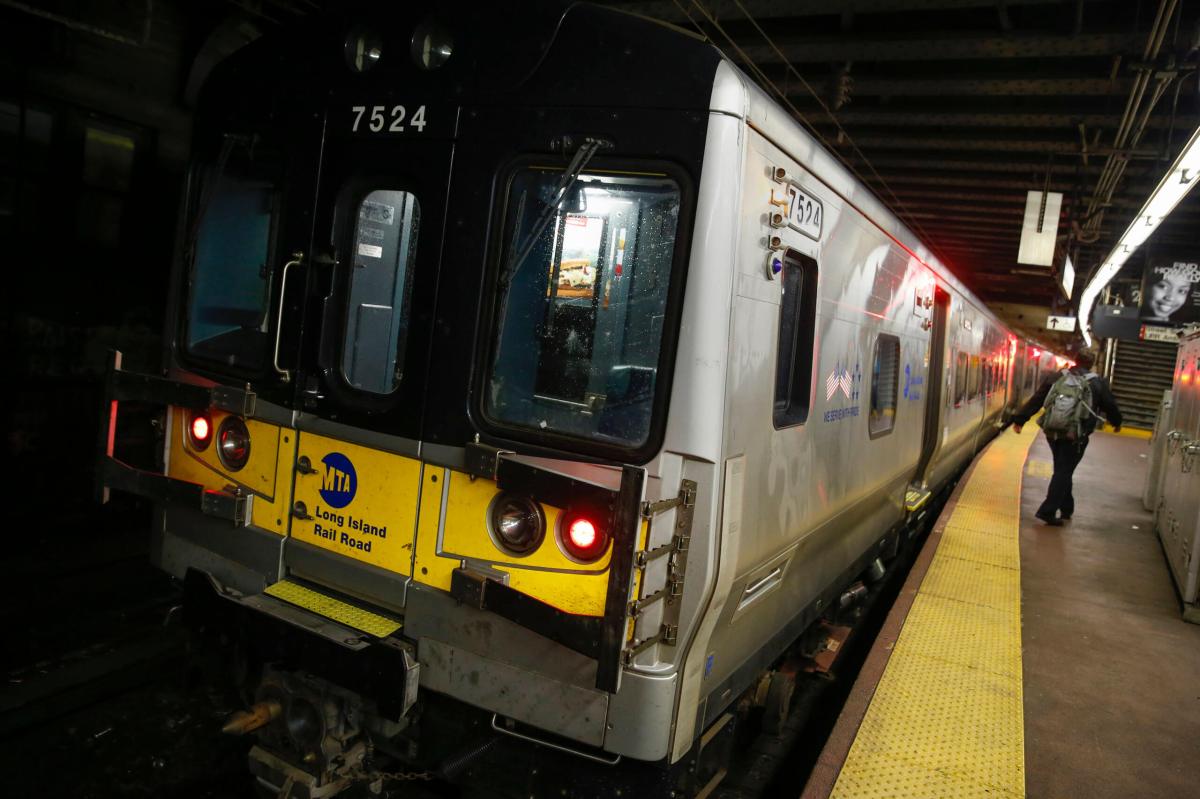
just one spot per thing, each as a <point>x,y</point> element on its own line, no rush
<point>286,374</point>
<point>304,465</point>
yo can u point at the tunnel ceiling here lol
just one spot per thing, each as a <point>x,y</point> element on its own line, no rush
<point>951,110</point>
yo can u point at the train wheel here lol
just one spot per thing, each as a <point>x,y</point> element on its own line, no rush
<point>778,703</point>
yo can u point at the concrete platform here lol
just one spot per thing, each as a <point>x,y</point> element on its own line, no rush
<point>1112,673</point>
<point>1109,679</point>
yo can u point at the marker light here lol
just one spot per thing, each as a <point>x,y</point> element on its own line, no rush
<point>200,432</point>
<point>1173,187</point>
<point>582,540</point>
<point>582,533</point>
<point>516,524</point>
<point>233,443</point>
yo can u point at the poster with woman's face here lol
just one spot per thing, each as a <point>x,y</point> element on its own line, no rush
<point>1170,291</point>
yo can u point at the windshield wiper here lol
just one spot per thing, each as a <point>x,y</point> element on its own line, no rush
<point>579,162</point>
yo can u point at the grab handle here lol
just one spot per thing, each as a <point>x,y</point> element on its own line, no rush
<point>297,257</point>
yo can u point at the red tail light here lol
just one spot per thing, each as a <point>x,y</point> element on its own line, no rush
<point>582,539</point>
<point>200,432</point>
<point>582,534</point>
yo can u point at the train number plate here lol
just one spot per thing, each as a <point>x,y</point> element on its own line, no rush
<point>390,118</point>
<point>805,212</point>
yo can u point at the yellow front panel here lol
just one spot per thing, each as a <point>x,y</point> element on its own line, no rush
<point>545,574</point>
<point>267,473</point>
<point>362,503</point>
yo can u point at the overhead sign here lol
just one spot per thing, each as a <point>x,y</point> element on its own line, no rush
<point>1063,324</point>
<point>1039,228</point>
<point>1170,289</point>
<point>1157,333</point>
<point>1067,277</point>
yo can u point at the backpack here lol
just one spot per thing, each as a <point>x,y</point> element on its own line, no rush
<point>1067,405</point>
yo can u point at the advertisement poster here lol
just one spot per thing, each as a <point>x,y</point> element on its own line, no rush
<point>1170,290</point>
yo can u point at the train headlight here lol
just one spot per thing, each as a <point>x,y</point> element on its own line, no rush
<point>200,431</point>
<point>363,49</point>
<point>516,524</point>
<point>233,443</point>
<point>432,45</point>
<point>582,537</point>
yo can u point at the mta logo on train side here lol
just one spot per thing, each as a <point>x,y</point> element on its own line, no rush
<point>339,481</point>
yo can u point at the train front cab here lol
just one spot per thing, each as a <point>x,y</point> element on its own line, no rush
<point>377,300</point>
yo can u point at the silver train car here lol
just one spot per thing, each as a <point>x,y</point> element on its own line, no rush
<point>535,385</point>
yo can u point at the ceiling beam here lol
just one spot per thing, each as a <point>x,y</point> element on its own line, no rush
<point>763,10</point>
<point>935,46</point>
<point>967,142</point>
<point>907,117</point>
<point>896,86</point>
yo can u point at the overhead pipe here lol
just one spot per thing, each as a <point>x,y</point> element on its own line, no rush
<point>87,27</point>
<point>1134,118</point>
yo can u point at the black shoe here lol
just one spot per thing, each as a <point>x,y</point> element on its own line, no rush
<point>1049,521</point>
<point>1064,518</point>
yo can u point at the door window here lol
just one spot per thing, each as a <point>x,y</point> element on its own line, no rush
<point>885,376</point>
<point>960,378</point>
<point>382,253</point>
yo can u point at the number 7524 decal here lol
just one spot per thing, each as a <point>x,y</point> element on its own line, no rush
<point>386,119</point>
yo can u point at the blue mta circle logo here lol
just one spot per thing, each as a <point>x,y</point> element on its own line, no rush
<point>339,481</point>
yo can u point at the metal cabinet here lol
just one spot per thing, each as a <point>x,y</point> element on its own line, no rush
<point>1177,517</point>
<point>1152,491</point>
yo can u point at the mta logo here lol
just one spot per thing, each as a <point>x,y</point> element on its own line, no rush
<point>339,482</point>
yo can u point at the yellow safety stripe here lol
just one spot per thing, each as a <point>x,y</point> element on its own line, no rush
<point>947,718</point>
<point>335,609</point>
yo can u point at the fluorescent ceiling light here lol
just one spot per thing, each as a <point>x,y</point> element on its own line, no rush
<point>1170,190</point>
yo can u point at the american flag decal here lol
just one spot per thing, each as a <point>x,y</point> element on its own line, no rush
<point>839,378</point>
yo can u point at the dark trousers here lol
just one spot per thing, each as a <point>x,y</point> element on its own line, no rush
<point>1067,455</point>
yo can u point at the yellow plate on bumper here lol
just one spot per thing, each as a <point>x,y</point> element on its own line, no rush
<point>335,609</point>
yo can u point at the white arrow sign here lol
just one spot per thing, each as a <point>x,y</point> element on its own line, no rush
<point>1063,324</point>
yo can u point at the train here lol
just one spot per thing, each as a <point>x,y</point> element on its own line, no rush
<point>534,385</point>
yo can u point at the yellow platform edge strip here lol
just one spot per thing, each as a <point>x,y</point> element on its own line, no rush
<point>947,717</point>
<point>335,609</point>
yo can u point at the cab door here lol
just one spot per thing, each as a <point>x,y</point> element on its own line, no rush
<point>365,359</point>
<point>244,252</point>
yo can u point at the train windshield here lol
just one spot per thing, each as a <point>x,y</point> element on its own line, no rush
<point>581,305</point>
<point>230,246</point>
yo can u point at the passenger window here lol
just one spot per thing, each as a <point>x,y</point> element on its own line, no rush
<point>987,377</point>
<point>973,379</point>
<point>382,253</point>
<point>960,378</point>
<point>237,211</point>
<point>581,313</point>
<point>885,375</point>
<point>793,359</point>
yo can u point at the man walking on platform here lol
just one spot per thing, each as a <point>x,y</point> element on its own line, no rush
<point>1075,399</point>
